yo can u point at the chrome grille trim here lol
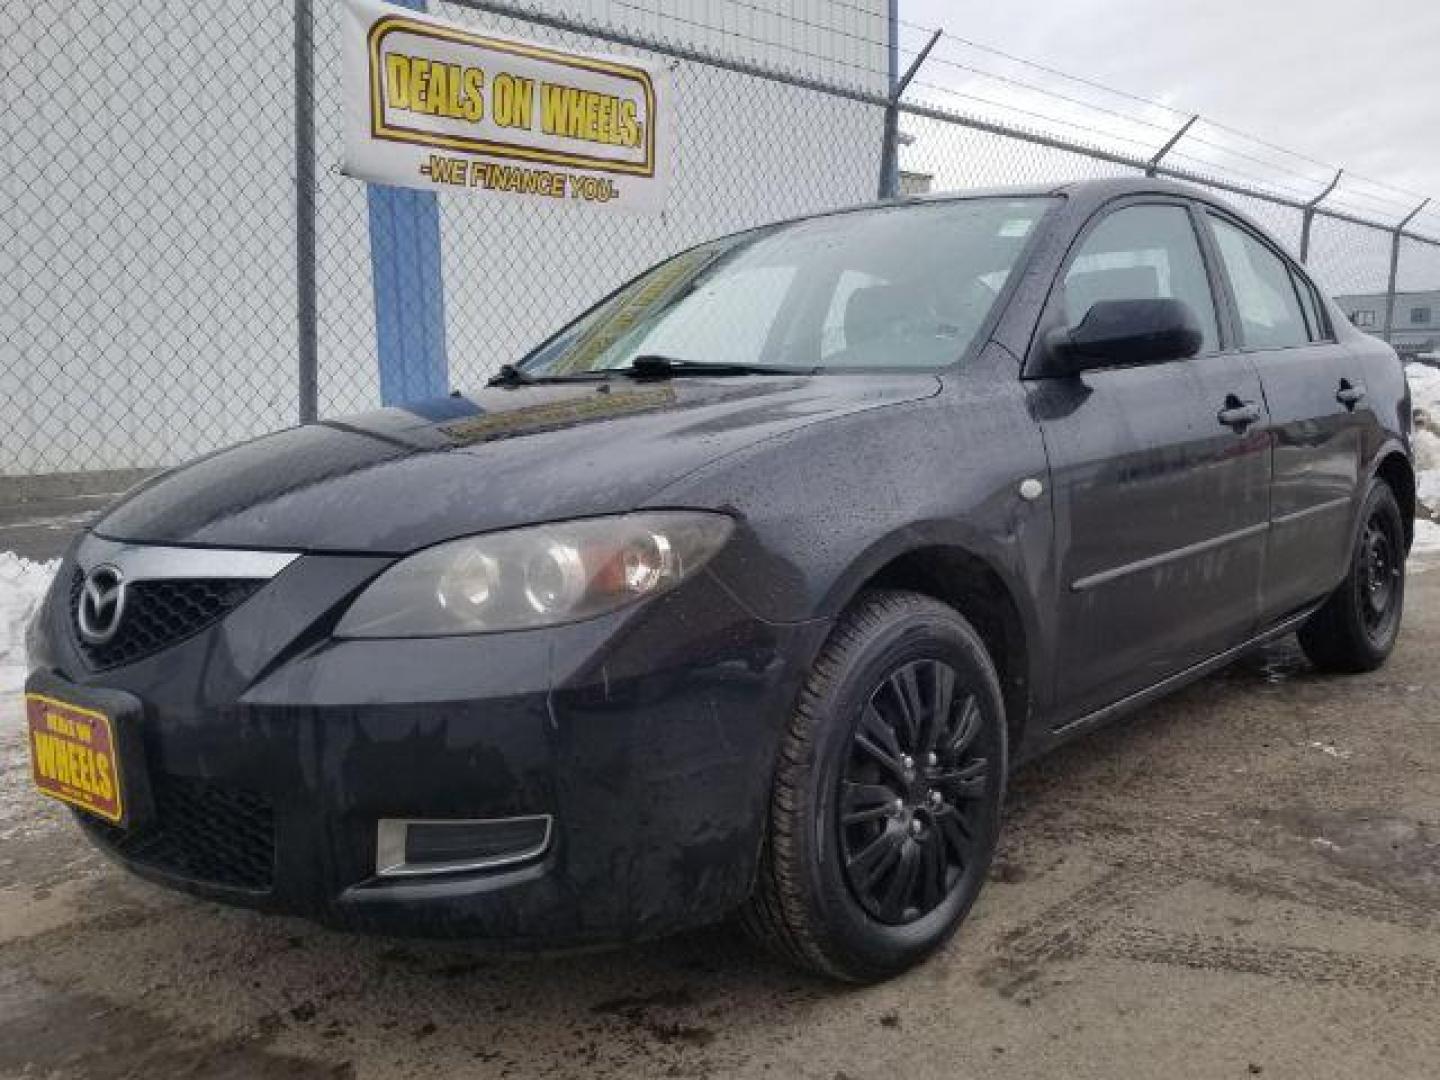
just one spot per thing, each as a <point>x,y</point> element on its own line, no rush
<point>154,562</point>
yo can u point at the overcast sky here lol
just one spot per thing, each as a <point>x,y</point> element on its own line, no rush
<point>1353,84</point>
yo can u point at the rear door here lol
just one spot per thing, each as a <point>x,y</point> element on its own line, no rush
<point>1316,403</point>
<point>1160,473</point>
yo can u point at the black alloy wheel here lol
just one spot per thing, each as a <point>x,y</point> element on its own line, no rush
<point>909,792</point>
<point>1356,628</point>
<point>1382,563</point>
<point>885,805</point>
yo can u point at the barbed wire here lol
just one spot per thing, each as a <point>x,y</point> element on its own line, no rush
<point>1031,87</point>
<point>1080,80</point>
<point>519,11</point>
<point>1047,117</point>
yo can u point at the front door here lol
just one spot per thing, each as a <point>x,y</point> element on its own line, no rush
<point>1160,474</point>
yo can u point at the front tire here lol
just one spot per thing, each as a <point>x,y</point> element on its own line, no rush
<point>885,808</point>
<point>1356,628</point>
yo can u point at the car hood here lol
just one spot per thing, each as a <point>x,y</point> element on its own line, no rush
<point>401,478</point>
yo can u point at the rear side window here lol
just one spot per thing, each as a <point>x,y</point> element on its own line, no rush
<point>1270,313</point>
<point>1146,252</point>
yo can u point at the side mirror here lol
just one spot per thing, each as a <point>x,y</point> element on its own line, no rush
<point>1124,332</point>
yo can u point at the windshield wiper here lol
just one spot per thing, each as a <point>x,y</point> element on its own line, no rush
<point>649,366</point>
<point>510,375</point>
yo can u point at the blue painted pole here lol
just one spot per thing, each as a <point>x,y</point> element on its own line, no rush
<point>409,289</point>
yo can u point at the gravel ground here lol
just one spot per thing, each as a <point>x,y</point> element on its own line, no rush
<point>1241,881</point>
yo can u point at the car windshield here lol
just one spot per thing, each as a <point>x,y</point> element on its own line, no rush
<point>898,287</point>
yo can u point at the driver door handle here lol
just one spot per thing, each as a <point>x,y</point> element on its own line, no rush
<point>1237,413</point>
<point>1349,394</point>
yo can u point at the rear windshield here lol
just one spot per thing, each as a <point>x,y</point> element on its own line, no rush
<point>893,287</point>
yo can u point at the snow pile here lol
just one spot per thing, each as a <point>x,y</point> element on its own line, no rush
<point>22,584</point>
<point>1425,399</point>
<point>1427,538</point>
<point>1425,389</point>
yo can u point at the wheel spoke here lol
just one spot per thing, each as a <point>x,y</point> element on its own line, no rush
<point>896,897</point>
<point>942,701</point>
<point>905,687</point>
<point>876,857</point>
<point>967,726</point>
<point>957,837</point>
<point>877,738</point>
<point>965,782</point>
<point>865,802</point>
<point>932,881</point>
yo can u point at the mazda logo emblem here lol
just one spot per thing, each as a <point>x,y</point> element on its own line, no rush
<point>102,604</point>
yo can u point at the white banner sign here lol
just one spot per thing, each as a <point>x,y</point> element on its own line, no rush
<point>436,105</point>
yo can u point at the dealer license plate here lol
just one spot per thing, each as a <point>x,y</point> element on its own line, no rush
<point>74,756</point>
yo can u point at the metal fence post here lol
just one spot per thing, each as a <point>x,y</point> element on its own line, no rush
<point>890,147</point>
<point>1395,268</point>
<point>1169,145</point>
<point>306,314</point>
<point>1307,216</point>
<point>890,135</point>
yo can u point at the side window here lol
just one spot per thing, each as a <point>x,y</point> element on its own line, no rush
<point>1142,253</point>
<point>1310,303</point>
<point>1270,314</point>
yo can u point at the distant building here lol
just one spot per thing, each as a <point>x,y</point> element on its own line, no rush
<point>916,183</point>
<point>1416,324</point>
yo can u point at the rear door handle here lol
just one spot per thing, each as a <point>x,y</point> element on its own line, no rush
<point>1237,413</point>
<point>1349,394</point>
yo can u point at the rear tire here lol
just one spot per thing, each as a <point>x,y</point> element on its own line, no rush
<point>885,807</point>
<point>1357,627</point>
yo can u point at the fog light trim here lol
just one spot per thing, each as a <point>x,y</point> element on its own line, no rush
<point>392,846</point>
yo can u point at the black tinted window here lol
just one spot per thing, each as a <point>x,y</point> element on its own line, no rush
<point>1142,253</point>
<point>1269,309</point>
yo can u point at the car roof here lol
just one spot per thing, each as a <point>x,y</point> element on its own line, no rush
<point>1099,189</point>
<point>1085,195</point>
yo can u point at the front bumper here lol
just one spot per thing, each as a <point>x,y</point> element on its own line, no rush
<point>648,736</point>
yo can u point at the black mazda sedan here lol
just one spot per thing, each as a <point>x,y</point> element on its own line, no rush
<point>743,592</point>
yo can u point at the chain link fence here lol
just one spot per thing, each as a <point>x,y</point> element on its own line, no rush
<point>184,266</point>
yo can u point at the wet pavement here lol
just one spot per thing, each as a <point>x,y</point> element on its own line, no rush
<point>1241,881</point>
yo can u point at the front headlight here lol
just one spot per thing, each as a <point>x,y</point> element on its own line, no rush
<point>540,576</point>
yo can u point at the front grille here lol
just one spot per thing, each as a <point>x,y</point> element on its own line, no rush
<point>159,614</point>
<point>201,831</point>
